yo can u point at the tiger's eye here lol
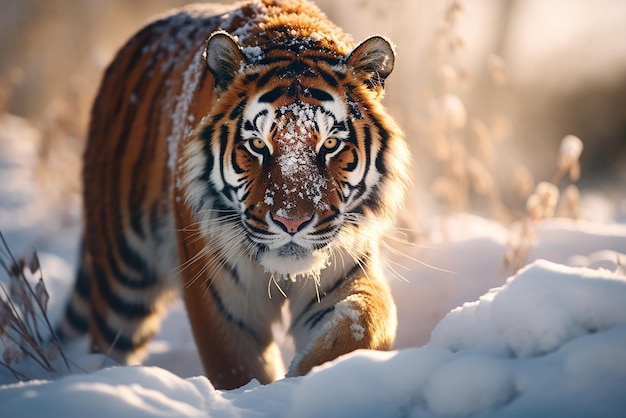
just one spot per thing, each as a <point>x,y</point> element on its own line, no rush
<point>257,144</point>
<point>331,144</point>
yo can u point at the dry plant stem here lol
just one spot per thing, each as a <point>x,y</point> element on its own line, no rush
<point>520,253</point>
<point>25,337</point>
<point>558,176</point>
<point>15,373</point>
<point>25,333</point>
<point>543,203</point>
<point>25,325</point>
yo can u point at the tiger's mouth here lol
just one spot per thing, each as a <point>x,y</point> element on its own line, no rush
<point>292,260</point>
<point>293,250</point>
<point>288,250</point>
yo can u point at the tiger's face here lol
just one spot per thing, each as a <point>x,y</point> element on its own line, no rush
<point>301,168</point>
<point>294,164</point>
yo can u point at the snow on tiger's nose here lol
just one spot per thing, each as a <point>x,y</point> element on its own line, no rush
<point>296,156</point>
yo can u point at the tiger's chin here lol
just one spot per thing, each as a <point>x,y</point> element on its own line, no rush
<point>292,261</point>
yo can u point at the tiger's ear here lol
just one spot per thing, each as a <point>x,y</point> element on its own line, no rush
<point>374,58</point>
<point>224,57</point>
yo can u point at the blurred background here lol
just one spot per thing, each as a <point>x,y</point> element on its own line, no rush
<point>485,89</point>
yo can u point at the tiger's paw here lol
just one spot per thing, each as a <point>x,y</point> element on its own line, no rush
<point>351,327</point>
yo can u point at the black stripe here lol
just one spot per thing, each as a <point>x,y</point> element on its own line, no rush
<point>255,229</point>
<point>293,89</point>
<point>248,214</point>
<point>373,202</point>
<point>233,160</point>
<point>384,138</point>
<point>273,60</point>
<point>326,230</point>
<point>271,95</point>
<point>367,144</point>
<point>207,136</point>
<point>360,190</point>
<point>82,286</point>
<point>352,137</point>
<point>328,78</point>
<point>245,193</point>
<point>115,338</point>
<point>355,161</point>
<point>317,317</point>
<point>232,269</point>
<point>131,259</point>
<point>226,314</point>
<point>248,125</point>
<point>326,293</point>
<point>266,77</point>
<point>224,136</point>
<point>316,58</point>
<point>258,115</point>
<point>319,95</point>
<point>249,78</point>
<point>330,217</point>
<point>79,322</point>
<point>117,159</point>
<point>339,192</point>
<point>238,109</point>
<point>295,68</point>
<point>128,310</point>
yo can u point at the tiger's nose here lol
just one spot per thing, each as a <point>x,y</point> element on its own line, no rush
<point>291,225</point>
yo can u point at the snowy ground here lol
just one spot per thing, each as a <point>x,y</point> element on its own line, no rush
<point>548,341</point>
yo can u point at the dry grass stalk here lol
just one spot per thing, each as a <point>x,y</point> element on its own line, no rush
<point>462,143</point>
<point>546,201</point>
<point>464,146</point>
<point>23,313</point>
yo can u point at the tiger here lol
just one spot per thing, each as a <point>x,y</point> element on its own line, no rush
<point>240,157</point>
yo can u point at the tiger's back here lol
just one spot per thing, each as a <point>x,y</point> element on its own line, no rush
<point>224,167</point>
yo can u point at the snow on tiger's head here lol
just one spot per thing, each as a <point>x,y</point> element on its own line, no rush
<point>298,152</point>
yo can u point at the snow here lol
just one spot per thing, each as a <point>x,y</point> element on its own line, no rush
<point>253,53</point>
<point>539,310</point>
<point>346,309</point>
<point>473,338</point>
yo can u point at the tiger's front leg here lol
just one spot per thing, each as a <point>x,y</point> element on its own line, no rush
<point>235,347</point>
<point>230,319</point>
<point>351,314</point>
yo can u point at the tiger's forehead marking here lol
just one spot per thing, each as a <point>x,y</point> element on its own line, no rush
<point>296,123</point>
<point>293,133</point>
<point>300,116</point>
<point>297,156</point>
